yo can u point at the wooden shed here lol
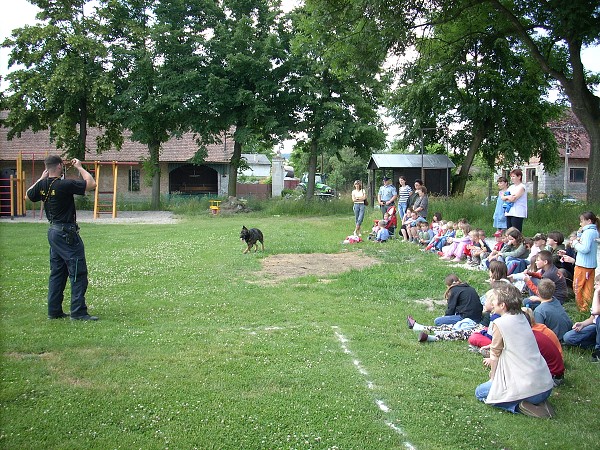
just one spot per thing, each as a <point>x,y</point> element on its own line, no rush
<point>435,170</point>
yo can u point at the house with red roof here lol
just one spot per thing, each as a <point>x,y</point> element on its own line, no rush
<point>574,150</point>
<point>178,174</point>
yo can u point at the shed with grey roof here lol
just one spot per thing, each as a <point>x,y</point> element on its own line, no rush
<point>434,170</point>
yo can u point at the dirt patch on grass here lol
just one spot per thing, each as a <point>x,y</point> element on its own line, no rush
<point>276,268</point>
<point>431,303</point>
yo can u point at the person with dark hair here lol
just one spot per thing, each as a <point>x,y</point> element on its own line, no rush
<point>67,255</point>
<point>463,303</point>
<point>414,196</point>
<point>554,243</point>
<point>546,270</point>
<point>421,204</point>
<point>404,192</point>
<point>516,194</point>
<point>499,216</point>
<point>359,196</point>
<point>386,196</point>
<point>520,380</point>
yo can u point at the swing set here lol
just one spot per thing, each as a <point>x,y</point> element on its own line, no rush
<point>105,201</point>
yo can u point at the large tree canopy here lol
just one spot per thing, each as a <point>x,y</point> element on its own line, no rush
<point>480,92</point>
<point>336,108</point>
<point>246,53</point>
<point>63,85</point>
<point>157,60</point>
<point>553,33</point>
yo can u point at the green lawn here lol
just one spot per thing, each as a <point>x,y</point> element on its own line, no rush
<point>191,353</point>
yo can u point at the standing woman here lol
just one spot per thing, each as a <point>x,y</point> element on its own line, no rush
<point>499,217</point>
<point>358,198</point>
<point>586,259</point>
<point>403,195</point>
<point>421,205</point>
<point>517,195</point>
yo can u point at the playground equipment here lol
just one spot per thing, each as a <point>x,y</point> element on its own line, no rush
<point>13,187</point>
<point>215,206</point>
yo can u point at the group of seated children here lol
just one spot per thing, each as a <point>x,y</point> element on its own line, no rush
<point>523,342</point>
<point>520,324</point>
<point>455,242</point>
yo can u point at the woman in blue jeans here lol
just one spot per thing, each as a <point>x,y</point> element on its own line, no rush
<point>358,200</point>
<point>520,380</point>
<point>586,334</point>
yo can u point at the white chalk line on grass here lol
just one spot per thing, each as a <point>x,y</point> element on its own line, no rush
<point>370,385</point>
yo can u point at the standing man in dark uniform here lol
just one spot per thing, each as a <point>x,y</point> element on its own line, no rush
<point>67,255</point>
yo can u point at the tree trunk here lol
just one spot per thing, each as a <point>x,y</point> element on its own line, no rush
<point>312,170</point>
<point>588,113</point>
<point>233,169</point>
<point>82,130</point>
<point>154,149</point>
<point>460,183</point>
<point>585,105</point>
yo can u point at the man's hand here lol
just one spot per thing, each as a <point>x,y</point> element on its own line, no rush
<point>76,163</point>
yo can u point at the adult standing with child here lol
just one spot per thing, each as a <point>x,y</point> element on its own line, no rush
<point>517,195</point>
<point>67,254</point>
<point>359,196</point>
<point>499,213</point>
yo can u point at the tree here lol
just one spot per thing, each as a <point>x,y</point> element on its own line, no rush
<point>482,82</point>
<point>335,108</point>
<point>157,55</point>
<point>63,86</point>
<point>246,57</point>
<point>553,33</point>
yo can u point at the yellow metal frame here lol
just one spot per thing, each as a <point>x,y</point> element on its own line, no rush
<point>215,206</point>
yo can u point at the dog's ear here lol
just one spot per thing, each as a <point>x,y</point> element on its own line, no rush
<point>244,227</point>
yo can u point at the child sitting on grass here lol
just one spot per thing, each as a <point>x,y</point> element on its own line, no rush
<point>459,331</point>
<point>550,312</point>
<point>425,234</point>
<point>519,379</point>
<point>463,303</point>
<point>455,251</point>
<point>383,233</point>
<point>545,268</point>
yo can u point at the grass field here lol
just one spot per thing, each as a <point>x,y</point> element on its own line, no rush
<point>192,352</point>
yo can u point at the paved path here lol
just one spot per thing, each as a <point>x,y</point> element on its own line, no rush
<point>141,217</point>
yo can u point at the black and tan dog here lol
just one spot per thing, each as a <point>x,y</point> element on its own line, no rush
<point>252,237</point>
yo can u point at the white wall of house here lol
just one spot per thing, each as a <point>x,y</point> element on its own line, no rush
<point>552,183</point>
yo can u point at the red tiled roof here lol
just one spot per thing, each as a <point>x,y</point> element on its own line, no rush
<point>579,140</point>
<point>36,145</point>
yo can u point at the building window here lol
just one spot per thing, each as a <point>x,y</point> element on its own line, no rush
<point>577,175</point>
<point>529,175</point>
<point>134,180</point>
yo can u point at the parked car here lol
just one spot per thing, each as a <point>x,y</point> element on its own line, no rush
<point>491,200</point>
<point>554,198</point>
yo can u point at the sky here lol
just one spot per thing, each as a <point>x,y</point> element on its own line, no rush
<point>21,13</point>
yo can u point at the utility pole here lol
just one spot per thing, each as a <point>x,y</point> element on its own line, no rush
<point>422,154</point>
<point>568,129</point>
